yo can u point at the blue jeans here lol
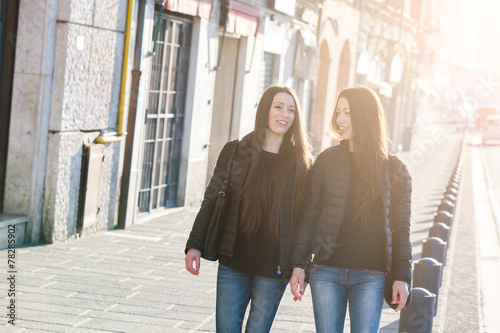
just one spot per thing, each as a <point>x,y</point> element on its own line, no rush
<point>332,288</point>
<point>235,289</point>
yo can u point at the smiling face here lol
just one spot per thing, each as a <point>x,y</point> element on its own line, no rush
<point>281,114</point>
<point>343,119</point>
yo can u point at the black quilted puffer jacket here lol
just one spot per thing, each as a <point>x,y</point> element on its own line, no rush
<point>325,204</point>
<point>238,176</point>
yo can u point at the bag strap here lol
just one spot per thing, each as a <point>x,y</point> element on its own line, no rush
<point>230,165</point>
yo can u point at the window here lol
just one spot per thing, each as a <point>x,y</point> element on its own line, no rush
<point>269,71</point>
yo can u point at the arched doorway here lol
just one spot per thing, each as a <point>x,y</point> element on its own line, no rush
<point>316,127</point>
<point>344,67</point>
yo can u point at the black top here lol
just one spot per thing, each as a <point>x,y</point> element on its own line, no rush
<point>359,246</point>
<point>259,253</point>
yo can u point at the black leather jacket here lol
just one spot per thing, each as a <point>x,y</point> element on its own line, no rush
<point>325,205</point>
<point>238,176</point>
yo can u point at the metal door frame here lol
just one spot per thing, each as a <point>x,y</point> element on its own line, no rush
<point>156,172</point>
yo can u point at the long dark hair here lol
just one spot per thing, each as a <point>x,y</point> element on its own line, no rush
<point>370,138</point>
<point>295,149</point>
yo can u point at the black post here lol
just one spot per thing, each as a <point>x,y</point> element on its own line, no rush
<point>440,230</point>
<point>418,317</point>
<point>427,275</point>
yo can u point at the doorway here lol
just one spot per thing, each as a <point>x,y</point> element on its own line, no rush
<point>223,107</point>
<point>164,119</point>
<point>344,67</point>
<point>320,111</point>
<point>8,28</point>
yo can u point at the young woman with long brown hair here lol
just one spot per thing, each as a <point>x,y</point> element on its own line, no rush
<point>267,188</point>
<point>356,220</point>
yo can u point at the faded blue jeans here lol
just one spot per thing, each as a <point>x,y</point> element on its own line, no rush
<point>332,288</point>
<point>235,289</point>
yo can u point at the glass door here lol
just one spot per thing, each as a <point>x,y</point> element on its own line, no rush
<point>164,120</point>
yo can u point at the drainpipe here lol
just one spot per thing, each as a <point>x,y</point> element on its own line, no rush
<point>134,94</point>
<point>117,136</point>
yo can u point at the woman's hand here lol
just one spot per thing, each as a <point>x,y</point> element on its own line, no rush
<point>193,255</point>
<point>400,293</point>
<point>297,284</point>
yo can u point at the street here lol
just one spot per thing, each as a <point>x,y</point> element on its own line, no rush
<point>486,211</point>
<point>472,299</point>
<point>490,154</point>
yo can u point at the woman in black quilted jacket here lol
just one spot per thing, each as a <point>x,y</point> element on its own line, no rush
<point>356,221</point>
<point>267,188</point>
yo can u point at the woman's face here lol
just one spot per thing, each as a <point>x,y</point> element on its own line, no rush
<point>281,114</point>
<point>343,119</point>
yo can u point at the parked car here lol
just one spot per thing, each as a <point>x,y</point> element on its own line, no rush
<point>490,128</point>
<point>484,111</point>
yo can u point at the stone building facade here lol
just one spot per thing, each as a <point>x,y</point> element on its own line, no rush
<point>65,92</point>
<point>119,108</point>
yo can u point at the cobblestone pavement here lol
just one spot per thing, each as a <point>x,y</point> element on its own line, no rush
<point>134,280</point>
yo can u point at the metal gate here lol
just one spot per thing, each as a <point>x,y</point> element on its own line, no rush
<point>164,119</point>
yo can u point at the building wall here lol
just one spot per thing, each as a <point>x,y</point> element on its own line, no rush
<point>145,65</point>
<point>254,56</point>
<point>198,120</point>
<point>198,111</point>
<point>30,109</point>
<point>339,22</point>
<point>66,91</point>
<point>347,17</point>
<point>246,97</point>
<point>248,93</point>
<point>85,97</point>
<point>66,81</point>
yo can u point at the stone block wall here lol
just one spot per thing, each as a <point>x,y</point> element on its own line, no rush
<point>87,73</point>
<point>67,80</point>
<point>30,108</point>
<point>85,97</point>
<point>62,182</point>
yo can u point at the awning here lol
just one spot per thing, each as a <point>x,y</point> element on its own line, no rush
<point>201,8</point>
<point>242,19</point>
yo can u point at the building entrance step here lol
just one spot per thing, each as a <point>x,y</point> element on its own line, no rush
<point>12,224</point>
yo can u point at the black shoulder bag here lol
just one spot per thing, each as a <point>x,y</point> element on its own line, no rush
<point>213,236</point>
